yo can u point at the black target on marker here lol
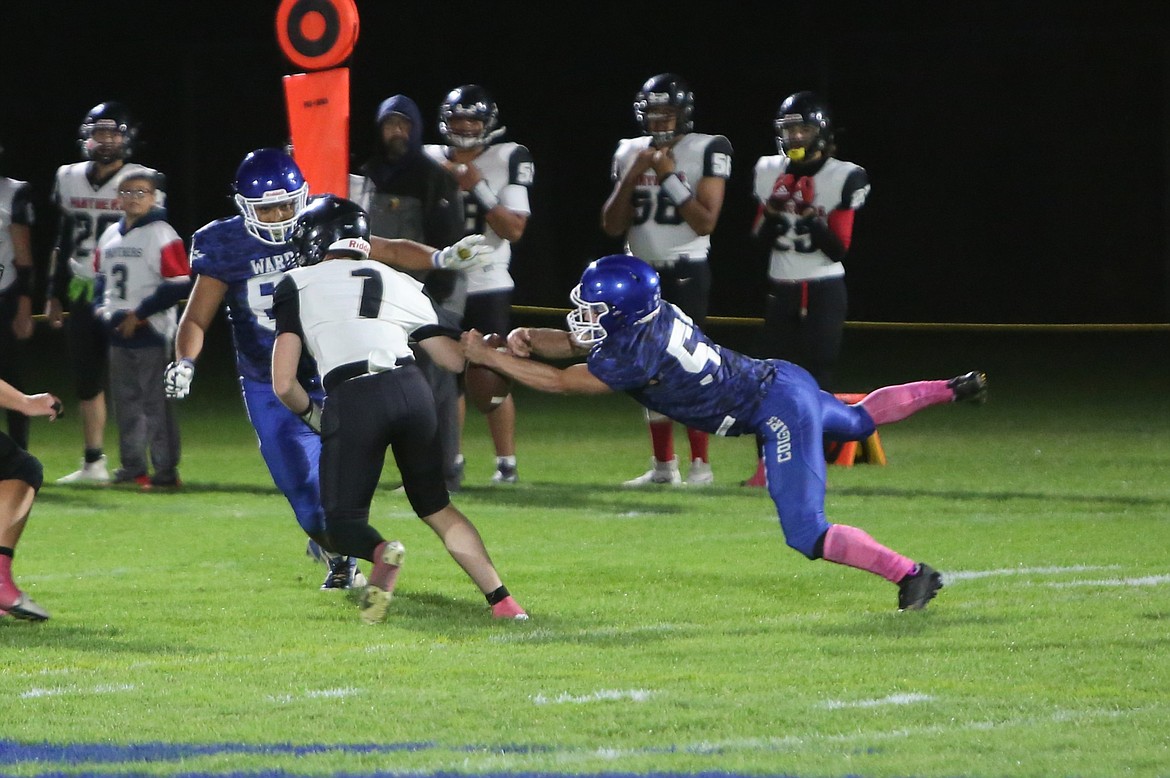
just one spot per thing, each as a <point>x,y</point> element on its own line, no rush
<point>317,34</point>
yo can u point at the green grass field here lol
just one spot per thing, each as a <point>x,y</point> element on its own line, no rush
<point>672,631</point>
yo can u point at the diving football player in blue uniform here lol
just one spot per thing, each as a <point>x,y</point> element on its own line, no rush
<point>240,260</point>
<point>639,344</point>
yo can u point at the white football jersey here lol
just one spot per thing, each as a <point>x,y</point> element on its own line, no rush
<point>509,171</point>
<point>135,264</point>
<point>15,208</point>
<point>92,208</point>
<point>659,233</point>
<point>838,185</point>
<point>357,311</point>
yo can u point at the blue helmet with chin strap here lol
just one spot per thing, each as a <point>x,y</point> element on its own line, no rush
<point>616,291</point>
<point>267,178</point>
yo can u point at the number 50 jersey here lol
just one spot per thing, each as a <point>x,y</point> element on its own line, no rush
<point>659,233</point>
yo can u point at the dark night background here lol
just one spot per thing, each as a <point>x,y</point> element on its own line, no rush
<point>1018,152</point>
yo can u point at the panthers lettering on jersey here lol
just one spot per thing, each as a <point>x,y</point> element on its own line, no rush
<point>659,233</point>
<point>135,262</point>
<point>226,251</point>
<point>837,187</point>
<point>15,208</point>
<point>353,311</point>
<point>90,209</point>
<point>509,171</point>
<point>670,366</point>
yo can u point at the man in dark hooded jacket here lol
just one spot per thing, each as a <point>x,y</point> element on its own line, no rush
<point>409,195</point>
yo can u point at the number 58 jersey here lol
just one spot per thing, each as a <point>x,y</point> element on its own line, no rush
<point>659,233</point>
<point>226,251</point>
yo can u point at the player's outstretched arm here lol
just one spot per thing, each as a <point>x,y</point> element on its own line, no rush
<point>544,342</point>
<point>574,379</point>
<point>465,254</point>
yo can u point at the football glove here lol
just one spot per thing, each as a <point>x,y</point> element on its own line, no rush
<point>312,417</point>
<point>466,253</point>
<point>178,377</point>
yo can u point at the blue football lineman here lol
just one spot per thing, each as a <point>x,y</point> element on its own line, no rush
<point>639,344</point>
<point>240,260</point>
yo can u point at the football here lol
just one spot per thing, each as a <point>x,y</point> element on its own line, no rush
<point>486,388</point>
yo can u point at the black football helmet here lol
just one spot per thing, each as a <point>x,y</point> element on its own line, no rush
<point>331,225</point>
<point>473,102</point>
<point>804,108</point>
<point>113,116</point>
<point>666,90</point>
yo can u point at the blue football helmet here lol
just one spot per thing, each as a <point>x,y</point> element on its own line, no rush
<point>665,91</point>
<point>269,177</point>
<point>615,291</point>
<point>331,225</point>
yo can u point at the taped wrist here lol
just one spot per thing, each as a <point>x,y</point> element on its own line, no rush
<point>675,189</point>
<point>484,194</point>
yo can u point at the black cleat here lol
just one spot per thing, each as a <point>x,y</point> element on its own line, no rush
<point>918,588</point>
<point>343,574</point>
<point>27,610</point>
<point>969,387</point>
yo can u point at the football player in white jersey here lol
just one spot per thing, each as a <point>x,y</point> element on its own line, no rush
<point>668,192</point>
<point>807,202</point>
<point>16,272</point>
<point>142,275</point>
<point>355,317</point>
<point>494,179</point>
<point>86,193</point>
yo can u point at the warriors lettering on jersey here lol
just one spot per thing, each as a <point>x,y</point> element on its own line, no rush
<point>836,186</point>
<point>136,262</point>
<point>670,366</point>
<point>226,251</point>
<point>91,208</point>
<point>659,233</point>
<point>509,170</point>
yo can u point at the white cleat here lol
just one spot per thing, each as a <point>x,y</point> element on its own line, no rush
<point>660,473</point>
<point>700,474</point>
<point>90,473</point>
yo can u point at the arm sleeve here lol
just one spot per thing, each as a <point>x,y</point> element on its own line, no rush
<point>286,308</point>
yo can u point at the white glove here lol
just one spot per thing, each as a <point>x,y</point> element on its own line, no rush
<point>178,377</point>
<point>466,253</point>
<point>312,417</point>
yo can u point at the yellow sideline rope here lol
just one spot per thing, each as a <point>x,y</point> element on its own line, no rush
<point>739,321</point>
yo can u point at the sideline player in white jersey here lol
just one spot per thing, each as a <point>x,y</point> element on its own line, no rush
<point>355,318</point>
<point>87,195</point>
<point>142,275</point>
<point>668,192</point>
<point>16,282</point>
<point>807,202</point>
<point>494,179</point>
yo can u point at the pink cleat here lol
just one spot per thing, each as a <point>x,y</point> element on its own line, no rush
<point>508,608</point>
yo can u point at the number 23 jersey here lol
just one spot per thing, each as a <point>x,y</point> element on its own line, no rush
<point>659,232</point>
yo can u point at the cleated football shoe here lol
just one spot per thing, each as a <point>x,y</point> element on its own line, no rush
<point>659,473</point>
<point>969,387</point>
<point>375,604</point>
<point>918,588</point>
<point>508,608</point>
<point>505,474</point>
<point>90,473</point>
<point>157,481</point>
<point>700,474</point>
<point>27,610</point>
<point>343,574</point>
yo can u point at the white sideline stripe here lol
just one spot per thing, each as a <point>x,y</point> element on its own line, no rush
<point>316,694</point>
<point>602,695</point>
<point>1146,580</point>
<point>893,699</point>
<point>970,575</point>
<point>58,691</point>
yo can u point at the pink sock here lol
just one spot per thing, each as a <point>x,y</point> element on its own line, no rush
<point>894,403</point>
<point>9,592</point>
<point>850,546</point>
<point>383,576</point>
